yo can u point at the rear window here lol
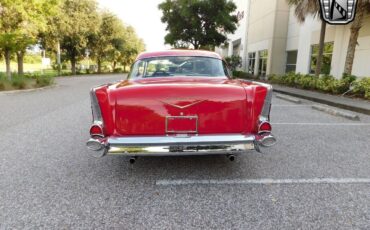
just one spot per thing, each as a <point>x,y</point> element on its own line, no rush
<point>178,66</point>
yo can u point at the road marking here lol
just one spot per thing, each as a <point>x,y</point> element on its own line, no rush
<point>291,105</point>
<point>325,124</point>
<point>264,181</point>
<point>288,98</point>
<point>336,112</point>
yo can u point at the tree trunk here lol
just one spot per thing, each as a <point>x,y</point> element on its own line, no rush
<point>7,63</point>
<point>114,65</point>
<point>20,58</point>
<point>355,30</point>
<point>99,65</point>
<point>321,48</point>
<point>73,64</point>
<point>124,68</point>
<point>58,59</point>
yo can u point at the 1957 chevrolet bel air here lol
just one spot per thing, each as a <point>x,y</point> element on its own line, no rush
<point>180,102</point>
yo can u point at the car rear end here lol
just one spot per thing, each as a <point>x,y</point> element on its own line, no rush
<point>180,115</point>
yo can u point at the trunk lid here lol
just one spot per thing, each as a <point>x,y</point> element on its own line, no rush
<point>180,105</point>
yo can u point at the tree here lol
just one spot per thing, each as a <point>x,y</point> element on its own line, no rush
<point>114,42</point>
<point>36,23</point>
<point>108,42</point>
<point>20,23</point>
<point>49,38</point>
<point>200,23</point>
<point>13,14</point>
<point>80,20</point>
<point>133,46</point>
<point>234,61</point>
<point>304,8</point>
<point>363,6</point>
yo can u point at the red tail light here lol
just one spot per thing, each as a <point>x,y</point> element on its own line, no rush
<point>264,127</point>
<point>96,130</point>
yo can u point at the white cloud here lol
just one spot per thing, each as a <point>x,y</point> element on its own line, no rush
<point>144,16</point>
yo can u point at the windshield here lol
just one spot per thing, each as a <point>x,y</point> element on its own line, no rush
<point>178,66</point>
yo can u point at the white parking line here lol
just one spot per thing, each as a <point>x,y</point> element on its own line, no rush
<point>264,181</point>
<point>291,105</point>
<point>325,124</point>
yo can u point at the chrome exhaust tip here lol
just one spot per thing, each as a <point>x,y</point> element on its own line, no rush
<point>231,157</point>
<point>97,147</point>
<point>133,160</point>
<point>267,141</point>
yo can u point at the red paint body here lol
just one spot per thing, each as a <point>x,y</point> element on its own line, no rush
<point>141,107</point>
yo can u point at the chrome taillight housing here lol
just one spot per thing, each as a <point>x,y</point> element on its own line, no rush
<point>96,130</point>
<point>264,127</point>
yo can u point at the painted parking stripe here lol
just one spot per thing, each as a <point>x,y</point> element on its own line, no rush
<point>291,105</point>
<point>264,181</point>
<point>325,124</point>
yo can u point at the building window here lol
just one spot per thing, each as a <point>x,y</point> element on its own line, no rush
<point>237,47</point>
<point>326,58</point>
<point>291,62</point>
<point>236,50</point>
<point>251,62</point>
<point>262,62</point>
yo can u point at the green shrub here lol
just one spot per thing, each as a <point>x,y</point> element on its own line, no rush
<point>43,81</point>
<point>362,88</point>
<point>291,79</point>
<point>325,83</point>
<point>349,78</point>
<point>242,74</point>
<point>118,70</point>
<point>19,82</point>
<point>275,79</point>
<point>306,81</point>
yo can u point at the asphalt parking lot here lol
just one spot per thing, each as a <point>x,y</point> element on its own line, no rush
<point>316,177</point>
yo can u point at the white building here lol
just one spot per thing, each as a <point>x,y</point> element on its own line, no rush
<point>271,41</point>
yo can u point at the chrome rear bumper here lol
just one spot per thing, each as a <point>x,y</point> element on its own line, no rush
<point>177,145</point>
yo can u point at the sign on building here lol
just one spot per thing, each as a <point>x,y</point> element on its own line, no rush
<point>338,11</point>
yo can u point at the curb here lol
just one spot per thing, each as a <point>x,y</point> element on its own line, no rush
<point>337,113</point>
<point>287,98</point>
<point>27,90</point>
<point>327,102</point>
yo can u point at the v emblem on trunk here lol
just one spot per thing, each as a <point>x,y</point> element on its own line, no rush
<point>183,106</point>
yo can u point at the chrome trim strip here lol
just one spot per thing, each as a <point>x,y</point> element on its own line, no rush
<point>267,105</point>
<point>95,108</point>
<point>185,106</point>
<point>181,145</point>
<point>180,140</point>
<point>181,150</point>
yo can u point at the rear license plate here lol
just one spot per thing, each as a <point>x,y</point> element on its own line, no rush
<point>182,124</point>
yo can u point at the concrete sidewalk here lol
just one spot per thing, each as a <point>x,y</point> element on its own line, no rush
<point>356,105</point>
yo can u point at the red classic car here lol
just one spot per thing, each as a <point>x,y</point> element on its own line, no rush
<point>180,102</point>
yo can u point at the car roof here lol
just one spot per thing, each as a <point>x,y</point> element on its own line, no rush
<point>172,53</point>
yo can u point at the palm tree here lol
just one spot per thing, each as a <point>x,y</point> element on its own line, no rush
<point>363,6</point>
<point>304,8</point>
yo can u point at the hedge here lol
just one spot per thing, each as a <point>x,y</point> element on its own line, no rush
<point>348,84</point>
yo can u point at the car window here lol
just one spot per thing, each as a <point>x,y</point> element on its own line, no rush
<point>178,66</point>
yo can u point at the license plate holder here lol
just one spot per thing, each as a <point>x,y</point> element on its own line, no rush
<point>181,124</point>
